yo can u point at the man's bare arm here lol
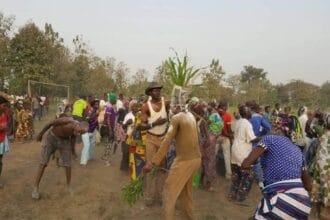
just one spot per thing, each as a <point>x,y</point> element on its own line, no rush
<point>144,117</point>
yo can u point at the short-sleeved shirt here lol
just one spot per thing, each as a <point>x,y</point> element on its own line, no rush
<point>92,120</point>
<point>130,127</point>
<point>282,160</point>
<point>226,122</point>
<point>79,107</point>
<point>119,104</point>
<point>259,124</point>
<point>242,146</point>
<point>110,112</point>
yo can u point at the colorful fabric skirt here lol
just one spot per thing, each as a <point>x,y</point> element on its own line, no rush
<point>284,200</point>
<point>137,160</point>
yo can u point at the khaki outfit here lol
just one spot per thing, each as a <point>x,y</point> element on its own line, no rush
<point>224,142</point>
<point>154,184</point>
<point>179,183</point>
<point>155,135</point>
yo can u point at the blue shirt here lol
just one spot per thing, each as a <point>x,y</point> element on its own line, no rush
<point>282,160</point>
<point>259,124</point>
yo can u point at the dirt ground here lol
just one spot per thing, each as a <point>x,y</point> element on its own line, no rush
<point>97,191</point>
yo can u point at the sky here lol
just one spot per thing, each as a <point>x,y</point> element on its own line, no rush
<point>289,39</point>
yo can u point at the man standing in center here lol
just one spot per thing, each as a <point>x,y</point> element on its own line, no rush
<point>155,121</point>
<point>179,183</point>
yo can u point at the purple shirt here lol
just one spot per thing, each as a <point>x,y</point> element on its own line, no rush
<point>92,120</point>
<point>111,113</point>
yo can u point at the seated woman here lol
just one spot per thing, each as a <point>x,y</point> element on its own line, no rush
<point>286,180</point>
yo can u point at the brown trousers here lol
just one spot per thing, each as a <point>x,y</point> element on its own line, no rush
<point>154,184</point>
<point>179,184</point>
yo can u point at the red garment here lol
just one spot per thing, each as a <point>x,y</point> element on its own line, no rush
<point>3,123</point>
<point>226,121</point>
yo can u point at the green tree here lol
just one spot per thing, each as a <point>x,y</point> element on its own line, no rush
<point>254,83</point>
<point>163,79</point>
<point>298,92</point>
<point>234,83</point>
<point>81,67</point>
<point>29,57</point>
<point>211,81</point>
<point>61,60</point>
<point>99,82</point>
<point>138,83</point>
<point>179,70</point>
<point>120,78</point>
<point>325,95</point>
<point>6,24</point>
<point>251,74</point>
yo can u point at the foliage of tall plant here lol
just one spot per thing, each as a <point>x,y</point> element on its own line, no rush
<point>179,71</point>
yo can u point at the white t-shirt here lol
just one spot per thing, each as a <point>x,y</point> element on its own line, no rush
<point>43,99</point>
<point>103,103</point>
<point>242,146</point>
<point>119,104</point>
<point>130,127</point>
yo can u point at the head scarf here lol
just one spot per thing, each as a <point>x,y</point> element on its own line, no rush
<point>132,103</point>
<point>199,110</point>
<point>112,96</point>
<point>194,100</point>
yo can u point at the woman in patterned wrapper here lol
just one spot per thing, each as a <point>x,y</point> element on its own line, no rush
<point>136,141</point>
<point>286,179</point>
<point>320,168</point>
<point>204,143</point>
<point>25,122</point>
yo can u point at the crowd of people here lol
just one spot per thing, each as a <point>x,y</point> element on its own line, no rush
<point>286,154</point>
<point>24,111</point>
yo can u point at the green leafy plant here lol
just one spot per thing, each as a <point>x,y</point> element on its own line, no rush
<point>179,71</point>
<point>133,191</point>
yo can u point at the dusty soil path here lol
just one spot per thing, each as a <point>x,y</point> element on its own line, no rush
<point>97,191</point>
